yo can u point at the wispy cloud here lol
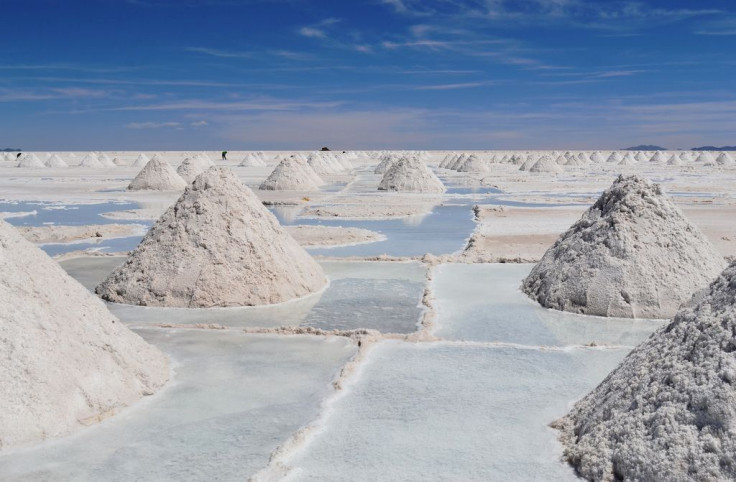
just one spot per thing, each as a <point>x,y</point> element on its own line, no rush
<point>151,125</point>
<point>312,32</point>
<point>465,85</point>
<point>258,105</point>
<point>225,54</point>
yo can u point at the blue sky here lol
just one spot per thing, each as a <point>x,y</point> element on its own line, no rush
<point>440,74</point>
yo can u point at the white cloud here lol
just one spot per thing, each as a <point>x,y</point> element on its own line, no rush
<point>151,125</point>
<point>312,32</point>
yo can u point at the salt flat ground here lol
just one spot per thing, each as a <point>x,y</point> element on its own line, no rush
<point>458,378</point>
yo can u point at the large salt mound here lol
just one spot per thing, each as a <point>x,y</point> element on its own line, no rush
<point>292,174</point>
<point>323,164</point>
<point>409,174</point>
<point>546,164</point>
<point>252,161</point>
<point>387,161</point>
<point>632,254</point>
<point>668,411</point>
<point>475,164</point>
<point>55,161</point>
<point>157,175</point>
<point>30,161</point>
<point>191,167</point>
<point>217,246</point>
<point>66,361</point>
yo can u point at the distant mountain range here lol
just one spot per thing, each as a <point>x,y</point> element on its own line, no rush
<point>711,148</point>
<point>644,148</point>
<point>659,148</point>
<point>10,149</point>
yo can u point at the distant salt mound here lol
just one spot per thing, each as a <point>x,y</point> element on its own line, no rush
<point>632,254</point>
<point>67,362</point>
<point>627,160</point>
<point>141,160</point>
<point>667,411</point>
<point>324,165</point>
<point>387,161</point>
<point>658,158</point>
<point>597,157</point>
<point>641,157</point>
<point>217,246</point>
<point>292,174</point>
<point>191,167</point>
<point>528,163</point>
<point>105,160</point>
<point>157,175</point>
<point>410,174</point>
<point>252,160</point>
<point>448,160</point>
<point>30,161</point>
<point>547,165</point>
<point>705,157</point>
<point>674,160</point>
<point>724,159</point>
<point>90,160</point>
<point>55,161</point>
<point>475,164</point>
<point>614,158</point>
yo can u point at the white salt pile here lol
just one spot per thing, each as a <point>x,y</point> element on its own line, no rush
<point>105,160</point>
<point>632,254</point>
<point>90,160</point>
<point>704,158</point>
<point>191,167</point>
<point>55,161</point>
<point>387,160</point>
<point>252,160</point>
<point>724,159</point>
<point>141,160</point>
<point>66,361</point>
<point>409,174</point>
<point>658,158</point>
<point>217,246</point>
<point>30,161</point>
<point>292,174</point>
<point>597,157</point>
<point>547,165</point>
<point>324,165</point>
<point>157,175</point>
<point>614,158</point>
<point>668,411</point>
<point>474,164</point>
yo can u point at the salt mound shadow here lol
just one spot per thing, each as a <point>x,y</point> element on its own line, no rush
<point>67,361</point>
<point>216,246</point>
<point>667,412</point>
<point>633,254</point>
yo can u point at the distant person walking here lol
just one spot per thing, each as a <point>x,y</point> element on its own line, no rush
<point>224,155</point>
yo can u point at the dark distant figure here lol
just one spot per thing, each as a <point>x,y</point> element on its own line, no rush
<point>17,155</point>
<point>224,155</point>
<point>325,149</point>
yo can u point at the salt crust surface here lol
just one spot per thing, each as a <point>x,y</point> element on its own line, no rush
<point>216,246</point>
<point>67,361</point>
<point>632,254</point>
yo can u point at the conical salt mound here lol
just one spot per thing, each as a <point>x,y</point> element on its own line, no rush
<point>658,158</point>
<point>322,165</point>
<point>157,175</point>
<point>704,158</point>
<point>252,161</point>
<point>667,412</point>
<point>141,160</point>
<point>90,160</point>
<point>55,161</point>
<point>628,160</point>
<point>30,161</point>
<point>105,160</point>
<point>614,158</point>
<point>674,160</point>
<point>546,164</point>
<point>191,167</point>
<point>632,254</point>
<point>475,164</point>
<point>292,174</point>
<point>724,159</point>
<point>66,361</point>
<point>410,174</point>
<point>387,161</point>
<point>597,157</point>
<point>217,246</point>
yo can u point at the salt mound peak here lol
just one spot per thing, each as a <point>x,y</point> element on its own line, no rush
<point>191,167</point>
<point>667,411</point>
<point>157,175</point>
<point>90,160</point>
<point>292,174</point>
<point>658,158</point>
<point>105,160</point>
<point>324,164</point>
<point>252,160</point>
<point>409,174</point>
<point>141,160</point>
<point>216,246</point>
<point>474,164</point>
<point>546,164</point>
<point>55,161</point>
<point>704,157</point>
<point>67,361</point>
<point>597,157</point>
<point>30,161</point>
<point>724,159</point>
<point>632,254</point>
<point>387,161</point>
